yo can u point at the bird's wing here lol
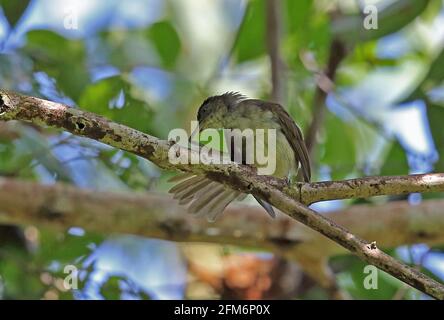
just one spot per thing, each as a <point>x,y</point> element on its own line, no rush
<point>293,134</point>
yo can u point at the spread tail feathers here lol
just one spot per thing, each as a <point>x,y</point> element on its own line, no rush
<point>206,197</point>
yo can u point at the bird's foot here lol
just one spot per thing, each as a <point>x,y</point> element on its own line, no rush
<point>291,180</point>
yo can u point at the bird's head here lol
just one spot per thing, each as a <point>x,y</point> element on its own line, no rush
<point>214,110</point>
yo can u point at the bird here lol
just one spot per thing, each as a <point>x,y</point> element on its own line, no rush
<point>233,110</point>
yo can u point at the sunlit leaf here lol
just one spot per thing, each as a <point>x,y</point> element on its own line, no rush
<point>305,28</point>
<point>436,118</point>
<point>251,39</point>
<point>395,162</point>
<point>125,49</point>
<point>390,19</point>
<point>354,278</point>
<point>111,98</point>
<point>62,59</point>
<point>167,42</point>
<point>338,149</point>
<point>433,77</point>
<point>40,150</point>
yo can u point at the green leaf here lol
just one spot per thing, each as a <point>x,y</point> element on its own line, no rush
<point>305,28</point>
<point>251,39</point>
<point>297,14</point>
<point>12,160</point>
<point>167,42</point>
<point>352,277</point>
<point>37,146</point>
<point>436,116</point>
<point>391,19</point>
<point>126,49</point>
<point>339,148</point>
<point>111,288</point>
<point>130,173</point>
<point>13,10</point>
<point>395,162</point>
<point>54,246</point>
<point>18,156</point>
<point>60,58</point>
<point>19,276</point>
<point>433,77</point>
<point>103,98</point>
<point>436,71</point>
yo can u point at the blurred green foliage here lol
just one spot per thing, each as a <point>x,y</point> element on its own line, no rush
<point>101,98</point>
<point>192,60</point>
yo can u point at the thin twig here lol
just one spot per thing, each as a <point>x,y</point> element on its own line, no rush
<point>273,14</point>
<point>337,54</point>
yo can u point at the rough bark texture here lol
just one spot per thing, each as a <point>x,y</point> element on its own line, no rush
<point>156,215</point>
<point>243,178</point>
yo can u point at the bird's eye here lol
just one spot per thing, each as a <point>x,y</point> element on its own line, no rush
<point>203,112</point>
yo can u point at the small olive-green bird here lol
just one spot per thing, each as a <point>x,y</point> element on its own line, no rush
<point>234,111</point>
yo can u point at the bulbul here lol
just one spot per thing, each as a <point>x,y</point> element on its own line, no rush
<point>232,110</point>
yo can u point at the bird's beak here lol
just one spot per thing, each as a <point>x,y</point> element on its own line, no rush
<point>198,129</point>
<point>195,131</point>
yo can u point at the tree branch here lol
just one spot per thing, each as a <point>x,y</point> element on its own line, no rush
<point>369,187</point>
<point>337,54</point>
<point>154,215</point>
<point>273,14</point>
<point>236,176</point>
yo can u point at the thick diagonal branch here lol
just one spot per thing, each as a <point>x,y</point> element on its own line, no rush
<point>239,177</point>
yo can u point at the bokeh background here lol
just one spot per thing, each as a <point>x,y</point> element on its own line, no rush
<point>377,97</point>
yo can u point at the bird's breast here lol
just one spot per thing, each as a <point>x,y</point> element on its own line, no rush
<point>273,148</point>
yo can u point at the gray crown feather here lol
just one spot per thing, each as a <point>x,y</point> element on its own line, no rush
<point>232,99</point>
